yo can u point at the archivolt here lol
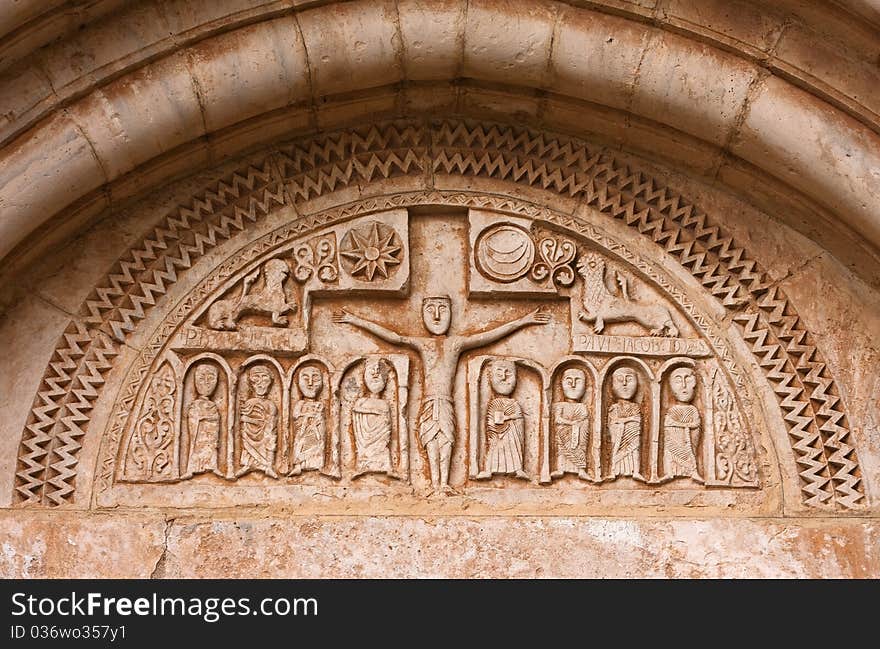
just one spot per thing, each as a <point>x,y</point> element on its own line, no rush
<point>102,115</point>
<point>303,170</point>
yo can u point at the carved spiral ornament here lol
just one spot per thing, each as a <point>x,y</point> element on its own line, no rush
<point>554,265</point>
<point>317,261</point>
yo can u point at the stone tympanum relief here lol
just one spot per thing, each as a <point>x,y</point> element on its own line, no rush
<point>740,326</point>
<point>606,299</point>
<point>439,353</point>
<point>626,424</point>
<point>501,442</point>
<point>681,426</point>
<point>373,251</point>
<point>149,453</point>
<point>259,418</point>
<point>272,299</point>
<point>536,359</point>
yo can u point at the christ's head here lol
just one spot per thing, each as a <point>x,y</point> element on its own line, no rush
<point>437,314</point>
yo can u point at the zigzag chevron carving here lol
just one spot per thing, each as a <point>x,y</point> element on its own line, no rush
<point>812,406</point>
<point>59,418</point>
<point>793,365</point>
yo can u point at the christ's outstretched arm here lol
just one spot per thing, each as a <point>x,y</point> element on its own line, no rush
<point>496,334</point>
<point>343,316</point>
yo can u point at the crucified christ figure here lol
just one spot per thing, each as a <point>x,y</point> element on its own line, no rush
<point>439,354</point>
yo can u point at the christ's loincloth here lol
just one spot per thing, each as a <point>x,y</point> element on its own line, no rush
<point>437,421</point>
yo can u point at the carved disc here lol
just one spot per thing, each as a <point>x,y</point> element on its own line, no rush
<point>504,252</point>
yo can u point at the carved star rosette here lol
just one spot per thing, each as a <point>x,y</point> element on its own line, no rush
<point>371,252</point>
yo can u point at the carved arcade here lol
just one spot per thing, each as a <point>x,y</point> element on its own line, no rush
<point>637,393</point>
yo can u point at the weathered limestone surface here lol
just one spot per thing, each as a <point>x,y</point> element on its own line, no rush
<point>454,547</point>
<point>465,289</point>
<point>70,547</point>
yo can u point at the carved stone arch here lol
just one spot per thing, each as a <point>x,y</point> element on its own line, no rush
<point>594,374</point>
<point>622,360</point>
<point>478,389</point>
<point>671,363</point>
<point>266,358</point>
<point>155,154</point>
<point>278,388</point>
<point>310,358</point>
<point>730,130</point>
<point>208,356</point>
<point>307,176</point>
<point>592,450</point>
<point>642,461</point>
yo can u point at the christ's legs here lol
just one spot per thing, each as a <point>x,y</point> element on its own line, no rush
<point>439,457</point>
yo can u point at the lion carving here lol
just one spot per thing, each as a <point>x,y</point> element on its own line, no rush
<point>603,305</point>
<point>272,299</point>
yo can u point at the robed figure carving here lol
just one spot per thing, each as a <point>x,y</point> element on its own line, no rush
<point>625,424</point>
<point>439,353</point>
<point>203,423</point>
<point>505,425</point>
<point>571,423</point>
<point>681,427</point>
<point>371,421</point>
<point>309,423</point>
<point>258,425</point>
